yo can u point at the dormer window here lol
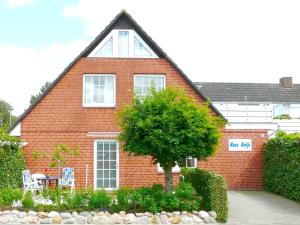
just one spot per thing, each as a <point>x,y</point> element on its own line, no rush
<point>123,44</point>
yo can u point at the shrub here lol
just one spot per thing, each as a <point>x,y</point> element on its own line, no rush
<point>8,195</point>
<point>12,161</point>
<point>187,197</point>
<point>78,201</point>
<point>27,201</point>
<point>100,200</point>
<point>282,165</point>
<point>212,188</point>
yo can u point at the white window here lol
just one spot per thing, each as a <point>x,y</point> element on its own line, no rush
<point>190,163</point>
<point>123,43</point>
<point>99,90</point>
<point>281,109</point>
<point>143,83</point>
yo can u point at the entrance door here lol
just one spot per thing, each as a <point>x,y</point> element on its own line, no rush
<point>106,157</point>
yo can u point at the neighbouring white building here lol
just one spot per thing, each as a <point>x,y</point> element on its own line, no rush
<point>257,105</point>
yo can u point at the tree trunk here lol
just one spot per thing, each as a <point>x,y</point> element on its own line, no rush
<point>169,179</point>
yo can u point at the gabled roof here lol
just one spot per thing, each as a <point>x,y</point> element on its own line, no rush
<point>249,92</point>
<point>122,21</point>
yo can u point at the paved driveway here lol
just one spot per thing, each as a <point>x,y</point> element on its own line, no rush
<point>258,207</point>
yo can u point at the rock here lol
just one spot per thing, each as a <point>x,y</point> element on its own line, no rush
<point>52,214</point>
<point>69,221</point>
<point>101,213</point>
<point>22,215</point>
<point>186,219</point>
<point>65,215</point>
<point>34,220</point>
<point>122,213</point>
<point>100,219</point>
<point>14,212</point>
<point>139,214</point>
<point>197,219</point>
<point>107,213</point>
<point>213,214</point>
<point>175,220</point>
<point>189,214</point>
<point>203,214</point>
<point>46,221</point>
<point>155,220</point>
<point>42,215</point>
<point>89,219</point>
<point>129,218</point>
<point>195,212</point>
<point>163,212</point>
<point>5,212</point>
<point>4,219</point>
<point>209,219</point>
<point>116,218</point>
<point>169,214</point>
<point>57,219</point>
<point>93,213</point>
<point>176,213</point>
<point>84,213</point>
<point>80,220</point>
<point>143,220</point>
<point>13,220</point>
<point>25,220</point>
<point>183,212</point>
<point>32,213</point>
<point>164,219</point>
<point>74,214</point>
<point>149,214</point>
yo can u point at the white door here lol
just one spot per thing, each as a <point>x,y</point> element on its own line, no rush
<point>106,160</point>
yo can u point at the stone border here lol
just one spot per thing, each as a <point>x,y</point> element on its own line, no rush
<point>92,217</point>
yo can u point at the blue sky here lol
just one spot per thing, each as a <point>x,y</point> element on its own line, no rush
<point>216,40</point>
<point>38,24</point>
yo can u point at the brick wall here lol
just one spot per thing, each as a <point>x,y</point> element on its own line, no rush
<point>60,119</point>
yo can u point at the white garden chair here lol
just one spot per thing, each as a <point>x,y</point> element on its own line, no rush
<point>67,179</point>
<point>30,184</point>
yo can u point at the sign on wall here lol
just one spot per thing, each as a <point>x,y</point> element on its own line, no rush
<point>240,144</point>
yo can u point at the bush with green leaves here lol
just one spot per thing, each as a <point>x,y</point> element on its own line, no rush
<point>212,187</point>
<point>282,165</point>
<point>12,161</point>
<point>27,201</point>
<point>9,195</point>
<point>79,200</point>
<point>100,200</point>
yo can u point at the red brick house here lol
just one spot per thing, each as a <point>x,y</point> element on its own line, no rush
<point>80,107</point>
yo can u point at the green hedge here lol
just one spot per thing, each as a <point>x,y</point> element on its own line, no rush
<point>212,187</point>
<point>12,161</point>
<point>282,165</point>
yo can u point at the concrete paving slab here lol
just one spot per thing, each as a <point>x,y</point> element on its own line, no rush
<point>259,207</point>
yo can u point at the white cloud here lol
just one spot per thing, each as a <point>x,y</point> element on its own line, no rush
<point>237,41</point>
<point>18,3</point>
<point>24,70</point>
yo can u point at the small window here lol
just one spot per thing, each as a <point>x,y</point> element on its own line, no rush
<point>123,43</point>
<point>139,49</point>
<point>143,83</point>
<point>281,109</point>
<point>107,49</point>
<point>99,90</point>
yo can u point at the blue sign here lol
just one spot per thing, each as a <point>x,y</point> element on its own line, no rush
<point>239,144</point>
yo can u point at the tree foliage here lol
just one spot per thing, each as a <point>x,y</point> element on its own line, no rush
<point>169,126</point>
<point>12,161</point>
<point>6,119</point>
<point>44,87</point>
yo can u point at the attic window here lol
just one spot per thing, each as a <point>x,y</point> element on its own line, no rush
<point>125,44</point>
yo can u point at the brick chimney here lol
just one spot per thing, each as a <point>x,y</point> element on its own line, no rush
<point>286,82</point>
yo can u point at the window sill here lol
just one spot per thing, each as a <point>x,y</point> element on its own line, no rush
<point>98,106</point>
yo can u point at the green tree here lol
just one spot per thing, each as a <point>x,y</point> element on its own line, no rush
<point>44,87</point>
<point>6,119</point>
<point>169,126</point>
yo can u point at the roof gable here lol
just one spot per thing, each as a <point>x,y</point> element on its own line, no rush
<point>122,21</point>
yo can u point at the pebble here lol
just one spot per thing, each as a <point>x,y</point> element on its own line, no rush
<point>203,214</point>
<point>213,214</point>
<point>80,220</point>
<point>209,220</point>
<point>53,214</point>
<point>66,215</point>
<point>57,219</point>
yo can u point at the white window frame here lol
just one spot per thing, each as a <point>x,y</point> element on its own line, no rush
<point>149,75</point>
<point>176,169</point>
<point>114,34</point>
<point>117,164</point>
<point>100,105</point>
